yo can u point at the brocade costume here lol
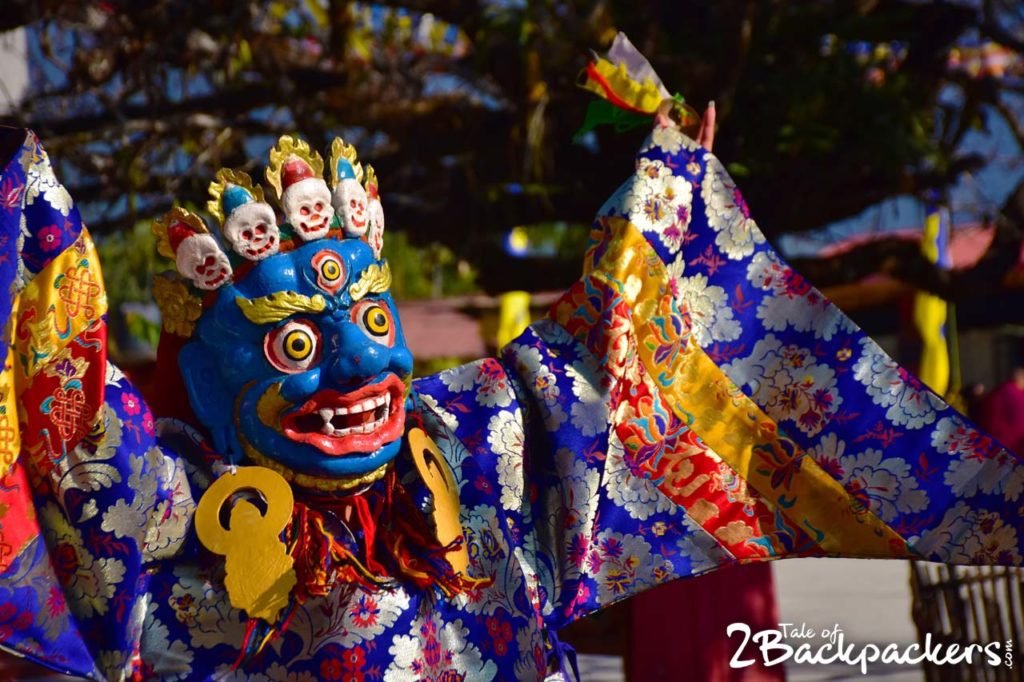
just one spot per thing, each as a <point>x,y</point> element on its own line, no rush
<point>690,403</point>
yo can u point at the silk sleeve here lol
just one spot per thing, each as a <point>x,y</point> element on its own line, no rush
<point>88,501</point>
<point>719,409</point>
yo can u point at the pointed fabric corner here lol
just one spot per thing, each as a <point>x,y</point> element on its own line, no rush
<point>849,453</point>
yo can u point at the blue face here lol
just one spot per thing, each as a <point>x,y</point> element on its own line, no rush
<point>304,362</point>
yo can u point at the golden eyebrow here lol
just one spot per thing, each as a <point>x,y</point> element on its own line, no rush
<point>277,306</point>
<point>376,279</point>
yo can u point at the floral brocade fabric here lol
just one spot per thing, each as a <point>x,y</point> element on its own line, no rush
<point>691,402</point>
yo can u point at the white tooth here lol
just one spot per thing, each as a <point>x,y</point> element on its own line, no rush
<point>378,402</point>
<point>343,432</point>
<point>341,410</point>
<point>327,429</point>
<point>367,405</point>
<point>326,415</point>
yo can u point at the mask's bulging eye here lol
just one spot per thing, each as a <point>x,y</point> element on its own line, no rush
<point>375,320</point>
<point>293,347</point>
<point>330,271</point>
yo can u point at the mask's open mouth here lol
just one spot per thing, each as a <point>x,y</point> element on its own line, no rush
<point>360,421</point>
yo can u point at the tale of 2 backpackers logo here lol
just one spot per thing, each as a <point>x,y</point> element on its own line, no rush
<point>833,649</point>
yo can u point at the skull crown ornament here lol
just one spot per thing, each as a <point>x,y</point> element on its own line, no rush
<point>298,361</point>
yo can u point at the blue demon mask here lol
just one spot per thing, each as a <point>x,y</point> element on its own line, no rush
<point>297,360</point>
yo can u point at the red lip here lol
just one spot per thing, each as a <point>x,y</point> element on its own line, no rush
<point>306,228</point>
<point>220,278</point>
<point>359,421</point>
<point>262,250</point>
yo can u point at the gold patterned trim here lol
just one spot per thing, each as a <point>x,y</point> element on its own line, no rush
<point>376,279</point>
<point>731,423</point>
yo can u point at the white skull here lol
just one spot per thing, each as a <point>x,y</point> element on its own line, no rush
<point>375,231</point>
<point>252,231</point>
<point>350,203</point>
<point>200,259</point>
<point>307,206</point>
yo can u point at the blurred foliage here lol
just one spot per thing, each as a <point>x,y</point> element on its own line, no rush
<point>129,258</point>
<point>467,108</point>
<point>432,271</point>
<point>426,368</point>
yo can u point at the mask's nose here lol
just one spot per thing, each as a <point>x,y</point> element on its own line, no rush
<point>352,357</point>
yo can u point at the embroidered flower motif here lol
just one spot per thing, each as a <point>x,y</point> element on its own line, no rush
<point>662,205</point>
<point>827,454</point>
<point>789,384</point>
<point>910,403</point>
<point>791,302</point>
<point>978,464</point>
<point>458,379</point>
<point>669,140</point>
<point>885,486</point>
<point>131,404</point>
<point>969,536</point>
<point>621,564</point>
<point>354,664</point>
<point>40,181</point>
<point>55,604</point>
<point>493,389</point>
<point>432,651</point>
<point>652,169</point>
<point>49,238</point>
<point>636,493</point>
<point>204,608</point>
<point>11,192</point>
<point>728,214</point>
<point>500,630</point>
<point>170,659</point>
<point>709,310</point>
<point>365,612</point>
<point>331,669</point>
<point>13,620</point>
<point>505,436</point>
<point>89,582</point>
<point>148,425</point>
<point>179,308</point>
